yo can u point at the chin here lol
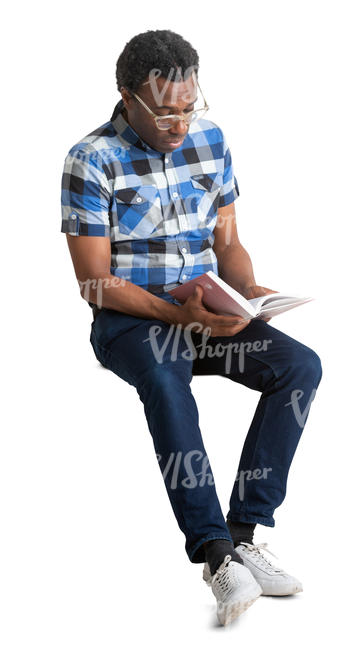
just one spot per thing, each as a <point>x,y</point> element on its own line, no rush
<point>163,149</point>
<point>171,147</point>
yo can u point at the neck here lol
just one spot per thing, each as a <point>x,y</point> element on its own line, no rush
<point>124,114</point>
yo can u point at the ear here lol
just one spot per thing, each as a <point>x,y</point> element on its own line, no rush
<point>126,96</point>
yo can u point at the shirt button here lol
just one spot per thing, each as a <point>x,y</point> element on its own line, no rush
<point>175,194</point>
<point>184,276</point>
<point>73,216</point>
<point>139,199</point>
<point>184,250</point>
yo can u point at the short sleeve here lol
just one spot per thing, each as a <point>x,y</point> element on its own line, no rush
<point>229,191</point>
<point>85,196</point>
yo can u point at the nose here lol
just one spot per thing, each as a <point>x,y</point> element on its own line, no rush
<point>180,128</point>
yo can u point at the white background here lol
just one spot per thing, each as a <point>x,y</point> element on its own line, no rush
<point>91,555</point>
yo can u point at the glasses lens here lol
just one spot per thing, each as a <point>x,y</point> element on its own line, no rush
<point>198,114</point>
<point>164,123</point>
<point>191,117</point>
<point>167,122</point>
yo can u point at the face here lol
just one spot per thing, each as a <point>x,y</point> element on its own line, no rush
<point>163,97</point>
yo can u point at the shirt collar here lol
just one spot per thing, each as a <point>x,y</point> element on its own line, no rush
<point>126,132</point>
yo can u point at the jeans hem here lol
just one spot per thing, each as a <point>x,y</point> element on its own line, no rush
<point>251,519</point>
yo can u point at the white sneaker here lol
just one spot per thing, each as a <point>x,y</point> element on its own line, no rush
<point>274,581</point>
<point>234,588</point>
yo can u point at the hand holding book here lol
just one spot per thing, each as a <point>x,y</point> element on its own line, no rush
<point>220,298</point>
<point>256,291</point>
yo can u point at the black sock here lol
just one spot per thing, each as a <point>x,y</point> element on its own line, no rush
<point>241,532</point>
<point>216,550</point>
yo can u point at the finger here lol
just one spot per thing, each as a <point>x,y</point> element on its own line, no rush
<point>196,294</point>
<point>219,320</point>
<point>227,321</point>
<point>198,291</point>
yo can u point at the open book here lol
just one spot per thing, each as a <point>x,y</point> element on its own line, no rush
<point>222,299</point>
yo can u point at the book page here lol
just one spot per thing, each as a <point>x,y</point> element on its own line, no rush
<point>283,305</point>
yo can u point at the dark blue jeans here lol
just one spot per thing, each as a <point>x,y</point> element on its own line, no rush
<point>160,360</point>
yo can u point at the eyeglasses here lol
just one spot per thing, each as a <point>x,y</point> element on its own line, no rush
<point>165,122</point>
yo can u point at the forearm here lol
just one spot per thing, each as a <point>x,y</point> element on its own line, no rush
<point>112,292</point>
<point>235,267</point>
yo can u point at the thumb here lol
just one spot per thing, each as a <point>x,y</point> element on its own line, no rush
<point>198,291</point>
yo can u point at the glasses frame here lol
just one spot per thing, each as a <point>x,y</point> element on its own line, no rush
<point>174,118</point>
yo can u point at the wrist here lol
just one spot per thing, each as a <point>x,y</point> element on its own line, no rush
<point>245,287</point>
<point>165,311</point>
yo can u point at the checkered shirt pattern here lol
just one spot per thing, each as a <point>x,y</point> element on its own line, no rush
<point>158,209</point>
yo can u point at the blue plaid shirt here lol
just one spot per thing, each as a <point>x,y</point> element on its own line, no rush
<point>159,209</point>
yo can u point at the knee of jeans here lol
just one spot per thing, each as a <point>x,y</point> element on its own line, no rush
<point>166,376</point>
<point>317,366</point>
<point>308,362</point>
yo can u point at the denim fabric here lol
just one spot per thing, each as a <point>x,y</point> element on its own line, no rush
<point>285,372</point>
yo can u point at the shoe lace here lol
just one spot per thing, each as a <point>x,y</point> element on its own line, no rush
<point>218,575</point>
<point>260,559</point>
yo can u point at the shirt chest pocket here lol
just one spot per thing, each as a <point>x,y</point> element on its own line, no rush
<point>138,210</point>
<point>203,198</point>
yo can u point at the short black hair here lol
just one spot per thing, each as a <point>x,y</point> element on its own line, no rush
<point>160,49</point>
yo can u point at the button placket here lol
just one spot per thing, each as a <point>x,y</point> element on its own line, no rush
<point>187,263</point>
<point>172,180</point>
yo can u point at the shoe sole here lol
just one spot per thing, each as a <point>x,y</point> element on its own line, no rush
<point>291,592</point>
<point>228,613</point>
